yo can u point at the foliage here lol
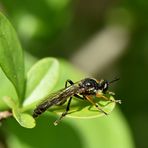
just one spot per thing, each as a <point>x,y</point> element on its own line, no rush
<point>40,80</point>
<point>26,90</point>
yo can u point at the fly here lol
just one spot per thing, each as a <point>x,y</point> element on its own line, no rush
<point>84,89</point>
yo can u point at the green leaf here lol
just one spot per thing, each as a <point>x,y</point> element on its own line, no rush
<point>5,85</point>
<point>41,79</point>
<point>23,119</point>
<point>11,56</point>
<point>84,109</point>
<point>101,132</point>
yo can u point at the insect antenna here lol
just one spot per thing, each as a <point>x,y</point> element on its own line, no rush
<point>114,80</point>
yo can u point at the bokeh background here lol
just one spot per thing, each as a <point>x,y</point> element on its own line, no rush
<point>101,38</point>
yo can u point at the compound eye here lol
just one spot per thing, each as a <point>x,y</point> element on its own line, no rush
<point>105,86</point>
<point>88,84</point>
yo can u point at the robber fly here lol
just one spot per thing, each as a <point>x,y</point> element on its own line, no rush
<point>84,89</point>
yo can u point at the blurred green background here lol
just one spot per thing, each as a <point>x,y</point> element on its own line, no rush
<point>103,39</point>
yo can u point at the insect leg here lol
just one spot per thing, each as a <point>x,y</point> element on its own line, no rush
<point>64,113</point>
<point>108,99</point>
<point>66,85</point>
<point>89,98</point>
<point>71,82</point>
<point>79,97</point>
<point>68,81</point>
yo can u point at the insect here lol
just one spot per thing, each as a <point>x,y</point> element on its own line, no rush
<point>84,89</point>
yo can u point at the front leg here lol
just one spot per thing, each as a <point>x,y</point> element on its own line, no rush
<point>101,95</point>
<point>90,99</point>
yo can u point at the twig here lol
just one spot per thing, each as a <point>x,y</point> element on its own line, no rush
<point>5,114</point>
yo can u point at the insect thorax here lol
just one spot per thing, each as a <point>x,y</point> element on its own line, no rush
<point>88,86</point>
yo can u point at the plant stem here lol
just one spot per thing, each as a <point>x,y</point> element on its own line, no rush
<point>5,114</point>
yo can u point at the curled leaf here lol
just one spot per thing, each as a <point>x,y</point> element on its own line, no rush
<point>23,119</point>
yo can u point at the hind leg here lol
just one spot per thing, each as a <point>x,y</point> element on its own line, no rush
<point>64,113</point>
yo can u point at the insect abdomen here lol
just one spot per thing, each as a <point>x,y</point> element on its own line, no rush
<point>43,107</point>
<point>57,99</point>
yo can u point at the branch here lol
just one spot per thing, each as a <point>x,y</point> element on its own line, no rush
<point>5,114</point>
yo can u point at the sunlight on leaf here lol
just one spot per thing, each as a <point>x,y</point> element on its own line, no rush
<point>41,79</point>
